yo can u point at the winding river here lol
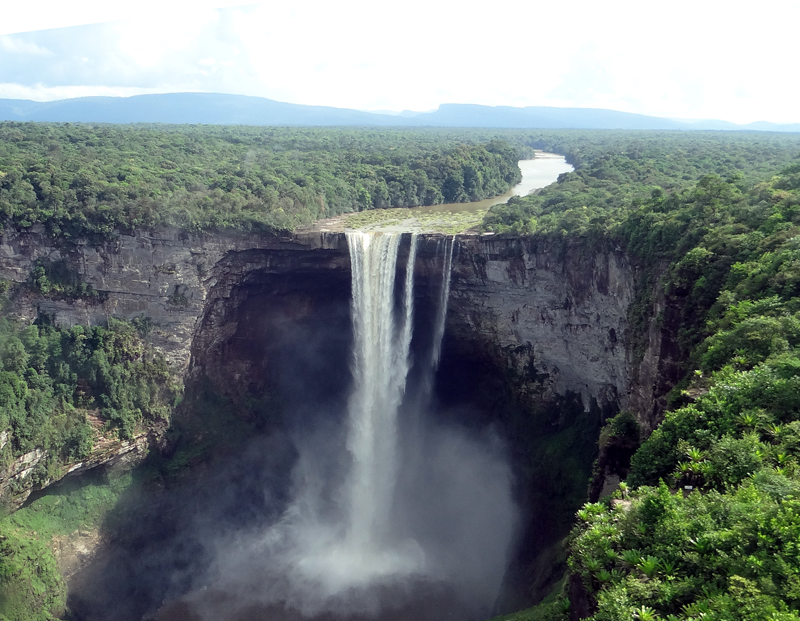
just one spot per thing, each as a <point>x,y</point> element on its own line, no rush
<point>450,218</point>
<point>536,174</point>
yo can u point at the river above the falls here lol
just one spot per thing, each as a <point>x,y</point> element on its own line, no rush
<point>450,218</point>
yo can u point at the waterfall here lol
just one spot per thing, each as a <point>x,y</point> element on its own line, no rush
<point>366,544</point>
<point>361,537</point>
<point>444,295</point>
<point>380,369</point>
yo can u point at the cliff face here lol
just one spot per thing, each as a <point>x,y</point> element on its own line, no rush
<point>165,275</point>
<point>559,309</point>
<point>551,318</point>
<point>554,315</point>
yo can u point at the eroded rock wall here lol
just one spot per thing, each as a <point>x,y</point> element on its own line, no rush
<point>164,274</point>
<point>554,314</point>
<point>558,308</point>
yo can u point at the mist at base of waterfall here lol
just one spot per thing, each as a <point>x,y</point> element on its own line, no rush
<point>453,524</point>
<point>391,514</point>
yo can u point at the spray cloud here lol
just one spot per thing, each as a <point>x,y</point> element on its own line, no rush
<point>405,519</point>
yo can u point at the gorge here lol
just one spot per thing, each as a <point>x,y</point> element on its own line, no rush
<point>360,535</point>
<point>530,327</point>
<point>179,402</point>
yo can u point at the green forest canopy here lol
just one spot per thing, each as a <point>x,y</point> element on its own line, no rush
<point>713,218</point>
<point>91,181</point>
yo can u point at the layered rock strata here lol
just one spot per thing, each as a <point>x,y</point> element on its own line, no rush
<point>552,315</point>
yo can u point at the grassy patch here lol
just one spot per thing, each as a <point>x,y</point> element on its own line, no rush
<point>420,220</point>
<point>554,607</point>
<point>31,586</point>
<point>551,611</point>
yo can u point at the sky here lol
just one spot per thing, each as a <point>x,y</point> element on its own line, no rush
<point>692,59</point>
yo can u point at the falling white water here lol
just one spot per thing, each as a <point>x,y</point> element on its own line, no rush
<point>444,295</point>
<point>362,548</point>
<point>380,367</point>
<point>408,306</point>
<point>361,536</point>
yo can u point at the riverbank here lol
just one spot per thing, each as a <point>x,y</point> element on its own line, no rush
<point>450,218</point>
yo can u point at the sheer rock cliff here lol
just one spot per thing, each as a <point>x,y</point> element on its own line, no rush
<point>554,315</point>
<point>551,316</point>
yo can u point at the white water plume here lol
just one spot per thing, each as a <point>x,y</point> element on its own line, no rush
<point>380,368</point>
<point>363,548</point>
<point>444,296</point>
<point>360,528</point>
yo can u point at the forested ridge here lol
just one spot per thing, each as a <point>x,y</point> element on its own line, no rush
<point>706,525</point>
<point>83,181</point>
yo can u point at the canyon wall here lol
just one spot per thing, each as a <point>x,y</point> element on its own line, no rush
<point>554,314</point>
<point>164,275</point>
<point>551,316</point>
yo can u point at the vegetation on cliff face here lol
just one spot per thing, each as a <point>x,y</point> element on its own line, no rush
<point>62,389</point>
<point>727,252</point>
<point>65,393</point>
<point>93,181</point>
<point>32,539</point>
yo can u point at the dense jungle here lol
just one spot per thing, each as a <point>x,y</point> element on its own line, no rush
<point>702,520</point>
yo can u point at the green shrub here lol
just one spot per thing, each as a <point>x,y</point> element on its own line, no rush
<point>726,550</point>
<point>50,378</point>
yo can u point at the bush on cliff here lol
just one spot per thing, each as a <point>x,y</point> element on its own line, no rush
<point>726,548</point>
<point>56,383</point>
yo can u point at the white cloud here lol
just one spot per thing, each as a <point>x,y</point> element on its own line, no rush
<point>39,92</point>
<point>17,46</point>
<point>33,15</point>
<point>146,43</point>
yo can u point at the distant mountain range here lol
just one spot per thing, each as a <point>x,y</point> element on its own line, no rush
<point>219,109</point>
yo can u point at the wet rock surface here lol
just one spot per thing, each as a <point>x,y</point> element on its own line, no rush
<point>554,316</point>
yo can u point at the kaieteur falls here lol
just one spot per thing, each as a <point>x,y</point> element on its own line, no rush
<point>409,517</point>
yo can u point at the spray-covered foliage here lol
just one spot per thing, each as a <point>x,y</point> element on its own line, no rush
<point>31,585</point>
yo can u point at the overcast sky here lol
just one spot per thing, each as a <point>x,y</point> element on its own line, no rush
<point>680,59</point>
